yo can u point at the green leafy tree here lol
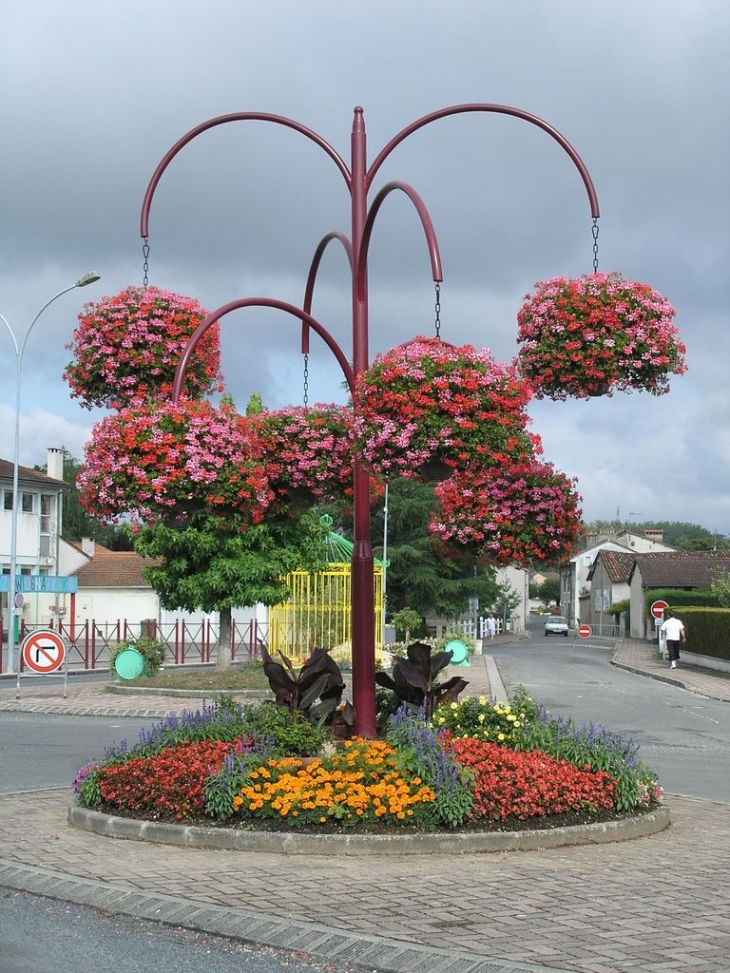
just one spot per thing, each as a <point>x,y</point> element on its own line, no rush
<point>421,575</point>
<point>216,564</point>
<point>721,586</point>
<point>549,591</point>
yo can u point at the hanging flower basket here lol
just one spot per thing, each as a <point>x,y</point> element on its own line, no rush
<point>126,348</point>
<point>162,462</point>
<point>429,401</point>
<point>596,335</point>
<point>523,513</point>
<point>308,451</point>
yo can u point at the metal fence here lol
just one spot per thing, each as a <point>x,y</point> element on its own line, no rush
<point>186,643</point>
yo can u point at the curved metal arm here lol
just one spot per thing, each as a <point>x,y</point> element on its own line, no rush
<point>502,110</point>
<point>312,276</point>
<point>222,120</point>
<point>297,312</point>
<point>433,247</point>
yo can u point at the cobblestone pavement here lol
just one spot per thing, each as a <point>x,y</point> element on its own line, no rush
<point>656,905</point>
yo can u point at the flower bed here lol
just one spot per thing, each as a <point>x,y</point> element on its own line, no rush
<point>126,348</point>
<point>228,765</point>
<point>427,400</point>
<point>596,335</point>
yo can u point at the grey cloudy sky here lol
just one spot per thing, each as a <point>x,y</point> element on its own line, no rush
<point>93,95</point>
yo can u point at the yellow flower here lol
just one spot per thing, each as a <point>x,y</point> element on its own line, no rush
<point>501,737</point>
<point>482,700</point>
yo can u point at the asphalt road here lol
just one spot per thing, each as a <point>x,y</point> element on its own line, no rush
<point>684,738</point>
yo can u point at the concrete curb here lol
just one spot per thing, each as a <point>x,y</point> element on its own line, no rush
<point>291,843</point>
<point>314,940</point>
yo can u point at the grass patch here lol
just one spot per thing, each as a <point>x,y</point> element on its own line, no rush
<point>235,679</point>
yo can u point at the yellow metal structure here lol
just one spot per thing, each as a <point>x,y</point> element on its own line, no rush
<point>318,614</point>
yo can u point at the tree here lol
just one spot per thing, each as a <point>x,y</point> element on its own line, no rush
<point>721,586</point>
<point>422,575</point>
<point>217,564</point>
<point>549,591</point>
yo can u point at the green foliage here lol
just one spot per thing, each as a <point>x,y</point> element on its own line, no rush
<point>618,607</point>
<point>549,591</point>
<point>423,576</point>
<point>152,651</point>
<point>216,563</point>
<point>720,586</point>
<point>414,679</point>
<point>440,644</point>
<point>680,597</point>
<point>708,631</point>
<point>407,622</point>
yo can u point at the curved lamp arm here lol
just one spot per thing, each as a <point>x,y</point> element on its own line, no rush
<point>433,247</point>
<point>502,110</point>
<point>222,120</point>
<point>297,312</point>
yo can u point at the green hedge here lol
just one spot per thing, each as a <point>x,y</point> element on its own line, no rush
<point>679,597</point>
<point>708,630</point>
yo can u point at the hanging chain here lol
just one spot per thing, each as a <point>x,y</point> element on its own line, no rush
<point>306,382</point>
<point>146,262</point>
<point>437,310</point>
<point>594,231</point>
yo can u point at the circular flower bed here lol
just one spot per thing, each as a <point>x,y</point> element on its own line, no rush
<point>523,513</point>
<point>595,335</point>
<point>227,764</point>
<point>161,461</point>
<point>428,400</point>
<point>126,348</point>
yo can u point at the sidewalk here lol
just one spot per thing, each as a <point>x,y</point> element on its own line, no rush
<point>654,905</point>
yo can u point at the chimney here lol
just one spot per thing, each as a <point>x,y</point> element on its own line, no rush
<point>654,534</point>
<point>54,462</point>
<point>88,546</point>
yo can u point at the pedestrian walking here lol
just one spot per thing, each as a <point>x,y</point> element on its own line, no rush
<point>672,631</point>
<point>491,626</point>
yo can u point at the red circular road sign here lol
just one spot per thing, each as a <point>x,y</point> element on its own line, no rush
<point>584,631</point>
<point>43,650</point>
<point>658,608</point>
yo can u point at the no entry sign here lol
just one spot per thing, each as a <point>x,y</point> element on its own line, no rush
<point>43,651</point>
<point>658,608</point>
<point>584,631</point>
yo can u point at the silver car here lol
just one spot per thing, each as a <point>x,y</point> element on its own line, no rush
<point>556,625</point>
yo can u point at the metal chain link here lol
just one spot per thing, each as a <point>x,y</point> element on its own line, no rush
<point>146,262</point>
<point>437,310</point>
<point>306,382</point>
<point>594,231</point>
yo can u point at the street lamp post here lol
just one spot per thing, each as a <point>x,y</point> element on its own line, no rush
<point>89,278</point>
<point>358,177</point>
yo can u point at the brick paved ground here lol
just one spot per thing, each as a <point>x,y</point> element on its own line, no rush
<point>655,905</point>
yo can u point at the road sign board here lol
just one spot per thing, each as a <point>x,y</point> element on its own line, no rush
<point>43,651</point>
<point>41,584</point>
<point>658,608</point>
<point>584,631</point>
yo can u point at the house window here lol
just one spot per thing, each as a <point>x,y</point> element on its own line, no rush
<point>45,513</point>
<point>8,500</point>
<point>26,503</point>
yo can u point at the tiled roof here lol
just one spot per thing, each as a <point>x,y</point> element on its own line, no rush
<point>25,474</point>
<point>680,569</point>
<point>618,566</point>
<point>114,569</point>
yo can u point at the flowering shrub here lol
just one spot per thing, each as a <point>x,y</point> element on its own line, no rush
<point>170,783</point>
<point>475,716</point>
<point>526,785</point>
<point>429,400</point>
<point>308,449</point>
<point>361,782</point>
<point>595,335</point>
<point>126,348</point>
<point>159,460</point>
<point>522,513</point>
